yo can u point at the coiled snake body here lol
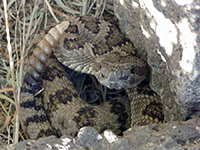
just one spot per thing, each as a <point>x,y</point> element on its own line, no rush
<point>91,46</point>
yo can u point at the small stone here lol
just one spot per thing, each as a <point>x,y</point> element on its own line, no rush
<point>110,136</point>
<point>88,137</point>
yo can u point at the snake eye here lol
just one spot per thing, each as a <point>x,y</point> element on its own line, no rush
<point>101,75</point>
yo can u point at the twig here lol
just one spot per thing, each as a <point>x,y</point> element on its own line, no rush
<point>91,7</point>
<point>103,8</point>
<point>66,8</point>
<point>6,90</point>
<point>11,63</point>
<point>51,11</point>
<point>84,7</point>
<point>61,14</point>
<point>6,123</point>
<point>7,98</point>
<point>7,114</point>
<point>100,8</point>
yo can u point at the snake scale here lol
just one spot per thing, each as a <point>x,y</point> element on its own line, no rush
<point>50,105</point>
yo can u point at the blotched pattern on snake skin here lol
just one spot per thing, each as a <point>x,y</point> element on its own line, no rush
<point>49,103</point>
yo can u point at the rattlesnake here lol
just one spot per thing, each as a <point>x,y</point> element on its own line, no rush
<point>92,46</point>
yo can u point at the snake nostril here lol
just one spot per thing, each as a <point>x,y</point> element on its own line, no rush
<point>132,70</point>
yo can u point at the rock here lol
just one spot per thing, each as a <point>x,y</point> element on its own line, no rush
<point>47,143</point>
<point>167,35</point>
<point>174,135</point>
<point>88,137</point>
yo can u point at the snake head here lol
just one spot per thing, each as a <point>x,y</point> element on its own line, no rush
<point>118,71</point>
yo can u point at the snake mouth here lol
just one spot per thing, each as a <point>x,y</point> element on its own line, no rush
<point>114,85</point>
<point>121,85</point>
